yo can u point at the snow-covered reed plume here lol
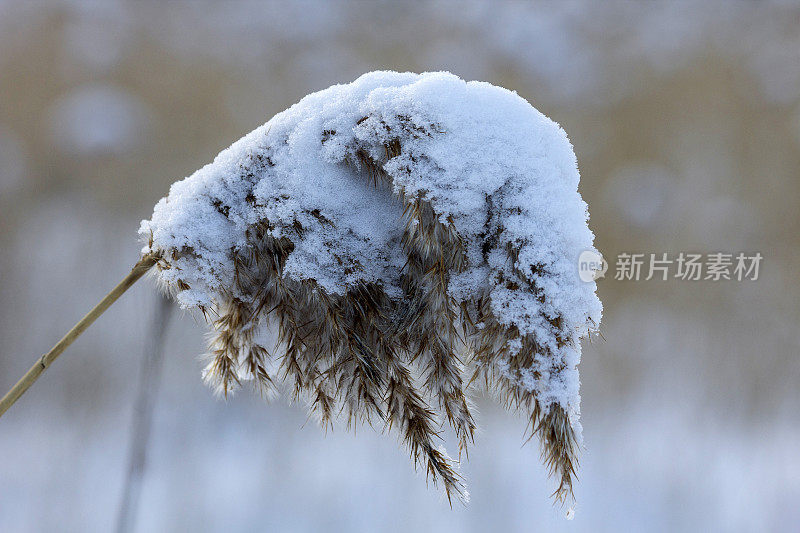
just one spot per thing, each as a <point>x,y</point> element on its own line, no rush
<point>383,245</point>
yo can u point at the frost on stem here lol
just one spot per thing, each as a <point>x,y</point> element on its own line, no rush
<point>404,237</point>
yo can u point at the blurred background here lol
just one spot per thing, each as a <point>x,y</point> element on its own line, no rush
<point>686,122</point>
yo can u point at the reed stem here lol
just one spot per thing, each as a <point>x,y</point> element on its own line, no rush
<point>152,364</point>
<point>138,270</point>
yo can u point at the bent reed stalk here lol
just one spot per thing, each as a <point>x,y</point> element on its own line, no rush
<point>138,270</point>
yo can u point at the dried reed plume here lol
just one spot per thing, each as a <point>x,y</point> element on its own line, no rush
<point>398,362</point>
<point>456,270</point>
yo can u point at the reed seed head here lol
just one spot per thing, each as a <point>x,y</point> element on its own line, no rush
<point>398,241</point>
